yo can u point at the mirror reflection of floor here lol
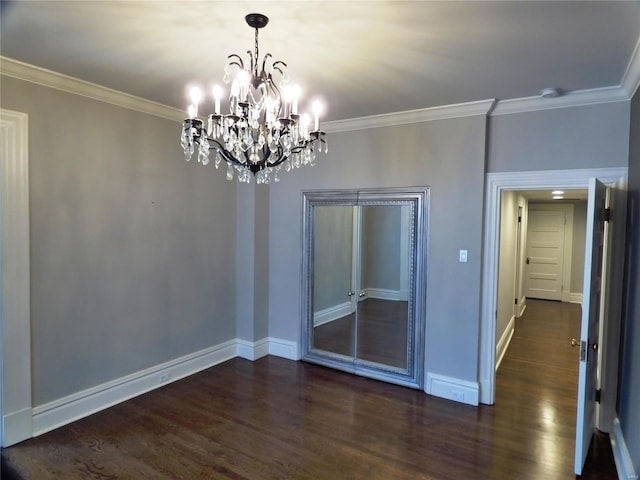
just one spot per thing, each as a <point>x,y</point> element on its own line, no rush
<point>381,328</point>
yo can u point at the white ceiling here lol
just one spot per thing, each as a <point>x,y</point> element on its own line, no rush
<point>362,57</point>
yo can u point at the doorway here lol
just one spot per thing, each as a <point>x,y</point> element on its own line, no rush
<point>496,184</point>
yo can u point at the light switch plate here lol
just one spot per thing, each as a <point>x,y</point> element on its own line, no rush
<point>463,256</point>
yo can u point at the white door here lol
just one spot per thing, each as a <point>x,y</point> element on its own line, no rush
<point>587,373</point>
<point>545,253</point>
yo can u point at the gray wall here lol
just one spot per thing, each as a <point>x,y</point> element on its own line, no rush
<point>381,246</point>
<point>447,155</point>
<point>332,255</point>
<point>132,249</point>
<point>593,136</point>
<point>577,249</point>
<point>629,379</point>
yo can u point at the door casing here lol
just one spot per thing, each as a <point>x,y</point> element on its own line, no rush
<point>495,184</point>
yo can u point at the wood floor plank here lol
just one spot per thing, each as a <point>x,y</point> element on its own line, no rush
<point>278,419</point>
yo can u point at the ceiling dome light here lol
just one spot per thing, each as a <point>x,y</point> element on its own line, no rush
<point>557,192</point>
<point>263,131</point>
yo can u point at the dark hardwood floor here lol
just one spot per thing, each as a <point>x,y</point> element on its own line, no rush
<point>278,419</point>
<point>381,333</point>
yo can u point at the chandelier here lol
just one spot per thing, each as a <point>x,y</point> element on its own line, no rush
<point>263,131</point>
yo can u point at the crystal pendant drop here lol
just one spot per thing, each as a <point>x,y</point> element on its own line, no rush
<point>218,159</point>
<point>229,172</point>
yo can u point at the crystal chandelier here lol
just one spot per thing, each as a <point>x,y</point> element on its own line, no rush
<point>263,132</point>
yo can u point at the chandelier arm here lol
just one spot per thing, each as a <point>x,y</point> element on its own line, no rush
<point>264,62</point>
<point>239,62</point>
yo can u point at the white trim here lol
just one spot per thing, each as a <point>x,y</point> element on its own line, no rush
<point>65,83</point>
<point>383,294</point>
<point>631,77</point>
<point>81,404</point>
<point>15,297</point>
<point>451,388</point>
<point>505,341</point>
<point>284,348</point>
<point>569,99</point>
<point>621,456</point>
<point>495,184</point>
<point>332,313</point>
<point>252,350</point>
<point>575,297</point>
<point>482,107</point>
<point>16,425</point>
<point>522,306</point>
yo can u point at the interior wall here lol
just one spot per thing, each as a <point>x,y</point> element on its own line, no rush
<point>132,249</point>
<point>577,250</point>
<point>629,380</point>
<point>381,247</point>
<point>448,156</point>
<point>333,255</point>
<point>507,262</point>
<point>590,136</point>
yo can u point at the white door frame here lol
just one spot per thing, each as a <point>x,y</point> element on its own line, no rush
<point>495,184</point>
<point>15,317</point>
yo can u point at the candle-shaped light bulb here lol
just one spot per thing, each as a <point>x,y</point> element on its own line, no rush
<point>196,96</point>
<point>217,94</point>
<point>243,79</point>
<point>233,98</point>
<point>191,111</point>
<point>295,96</point>
<point>304,125</point>
<point>287,95</point>
<point>316,108</point>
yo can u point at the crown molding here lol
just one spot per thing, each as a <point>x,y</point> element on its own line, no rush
<point>482,107</point>
<point>569,99</point>
<point>631,78</point>
<point>51,79</point>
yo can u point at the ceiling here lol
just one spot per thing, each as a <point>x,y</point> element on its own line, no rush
<point>362,57</point>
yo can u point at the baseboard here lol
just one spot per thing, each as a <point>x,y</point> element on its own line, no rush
<point>253,350</point>
<point>575,298</point>
<point>505,340</point>
<point>16,427</point>
<point>383,294</point>
<point>284,348</point>
<point>453,389</point>
<point>332,313</point>
<point>522,306</point>
<point>624,465</point>
<point>82,404</point>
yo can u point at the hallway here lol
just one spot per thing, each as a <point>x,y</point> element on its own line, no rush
<point>536,387</point>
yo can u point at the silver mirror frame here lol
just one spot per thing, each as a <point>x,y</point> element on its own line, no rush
<point>418,198</point>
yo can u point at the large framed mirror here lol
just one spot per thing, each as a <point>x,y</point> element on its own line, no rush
<point>364,281</point>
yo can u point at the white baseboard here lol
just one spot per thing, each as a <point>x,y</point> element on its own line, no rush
<point>575,297</point>
<point>522,306</point>
<point>284,348</point>
<point>252,350</point>
<point>16,427</point>
<point>624,465</point>
<point>453,389</point>
<point>383,294</point>
<point>504,342</point>
<point>81,404</point>
<point>332,313</point>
